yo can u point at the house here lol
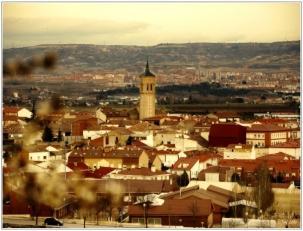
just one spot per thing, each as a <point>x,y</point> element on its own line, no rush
<point>82,123</point>
<point>39,154</point>
<point>281,168</point>
<point>226,116</point>
<point>103,114</point>
<point>220,203</point>
<point>291,147</point>
<point>16,111</point>
<point>216,174</point>
<point>221,135</point>
<point>240,151</point>
<point>169,157</point>
<point>149,159</point>
<point>24,113</point>
<point>265,135</point>
<point>186,212</point>
<point>188,164</point>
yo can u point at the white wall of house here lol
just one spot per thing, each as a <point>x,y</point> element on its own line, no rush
<point>213,176</point>
<point>278,137</point>
<point>184,144</point>
<point>255,138</point>
<point>169,159</point>
<point>24,113</point>
<point>192,173</point>
<point>240,153</point>
<point>100,116</point>
<point>149,140</point>
<point>205,135</point>
<point>203,165</point>
<point>295,152</point>
<point>164,138</point>
<point>93,134</point>
<point>39,156</point>
<point>139,177</point>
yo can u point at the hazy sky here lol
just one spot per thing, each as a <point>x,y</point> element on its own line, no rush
<point>26,24</point>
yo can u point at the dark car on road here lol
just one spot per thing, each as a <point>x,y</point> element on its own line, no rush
<point>51,221</point>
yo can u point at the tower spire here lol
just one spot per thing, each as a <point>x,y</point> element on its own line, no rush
<point>147,72</point>
<point>147,65</point>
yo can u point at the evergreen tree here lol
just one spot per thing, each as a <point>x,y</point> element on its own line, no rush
<point>183,180</point>
<point>60,137</point>
<point>47,135</point>
<point>34,110</point>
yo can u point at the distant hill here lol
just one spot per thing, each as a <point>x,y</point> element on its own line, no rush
<point>73,57</point>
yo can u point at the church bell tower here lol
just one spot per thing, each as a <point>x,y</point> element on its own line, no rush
<point>147,93</point>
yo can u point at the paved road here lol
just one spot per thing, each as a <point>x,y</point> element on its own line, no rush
<point>29,221</point>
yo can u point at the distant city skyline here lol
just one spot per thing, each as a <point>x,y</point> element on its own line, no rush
<point>28,24</point>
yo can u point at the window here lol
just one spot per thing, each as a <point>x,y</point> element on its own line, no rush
<point>154,221</point>
<point>147,87</point>
<point>107,140</point>
<point>151,87</point>
<point>44,157</point>
<point>138,220</point>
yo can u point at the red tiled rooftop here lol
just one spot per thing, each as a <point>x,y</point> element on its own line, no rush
<point>142,172</point>
<point>265,128</point>
<point>185,163</point>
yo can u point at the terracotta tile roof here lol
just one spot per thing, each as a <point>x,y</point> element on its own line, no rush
<point>101,172</point>
<point>144,126</point>
<point>185,163</point>
<point>170,123</point>
<point>7,109</point>
<point>175,207</point>
<point>252,165</point>
<point>220,191</point>
<point>288,144</point>
<point>162,152</point>
<point>78,166</point>
<point>176,194</point>
<point>265,128</point>
<point>13,129</point>
<point>227,114</point>
<point>92,152</point>
<point>96,142</point>
<point>110,112</point>
<point>272,121</point>
<point>276,156</point>
<point>10,118</point>
<point>215,169</point>
<point>121,131</point>
<point>142,172</point>
<point>280,185</point>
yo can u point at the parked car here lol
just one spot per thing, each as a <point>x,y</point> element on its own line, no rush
<point>52,222</point>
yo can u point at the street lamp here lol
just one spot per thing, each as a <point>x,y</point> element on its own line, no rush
<point>202,223</point>
<point>261,217</point>
<point>145,218</point>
